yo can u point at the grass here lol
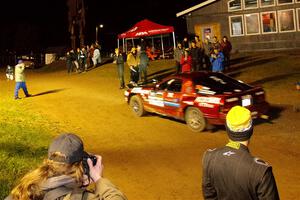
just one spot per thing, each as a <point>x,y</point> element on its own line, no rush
<point>24,140</point>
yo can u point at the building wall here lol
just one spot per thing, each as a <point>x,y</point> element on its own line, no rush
<point>217,13</point>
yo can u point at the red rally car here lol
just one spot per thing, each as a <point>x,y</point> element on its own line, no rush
<point>198,98</point>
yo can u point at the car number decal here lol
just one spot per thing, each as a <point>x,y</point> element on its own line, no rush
<point>214,100</point>
<point>156,102</point>
<point>207,105</point>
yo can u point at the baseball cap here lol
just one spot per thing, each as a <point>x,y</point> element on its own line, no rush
<point>239,123</point>
<point>70,146</point>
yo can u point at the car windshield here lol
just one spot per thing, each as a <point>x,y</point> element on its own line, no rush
<point>217,83</point>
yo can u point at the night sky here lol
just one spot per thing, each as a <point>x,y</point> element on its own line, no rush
<point>35,25</point>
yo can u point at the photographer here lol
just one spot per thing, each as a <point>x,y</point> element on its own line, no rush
<point>66,174</point>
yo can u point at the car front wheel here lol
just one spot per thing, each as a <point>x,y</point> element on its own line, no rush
<point>137,106</point>
<point>195,119</point>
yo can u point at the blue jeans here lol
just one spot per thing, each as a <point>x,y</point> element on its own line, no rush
<point>21,85</point>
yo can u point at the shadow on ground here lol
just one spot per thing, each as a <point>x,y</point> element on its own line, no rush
<point>273,78</point>
<point>48,92</point>
<point>239,64</point>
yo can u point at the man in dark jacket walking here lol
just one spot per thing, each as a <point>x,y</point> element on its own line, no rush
<point>232,172</point>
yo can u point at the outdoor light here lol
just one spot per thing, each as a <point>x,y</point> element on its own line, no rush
<point>97,27</point>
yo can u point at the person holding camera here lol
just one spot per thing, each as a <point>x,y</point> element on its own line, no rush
<point>65,175</point>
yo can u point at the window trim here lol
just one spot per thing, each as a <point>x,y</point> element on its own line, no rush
<point>230,29</point>
<point>281,4</point>
<point>279,25</point>
<point>244,5</point>
<point>262,25</point>
<point>261,6</point>
<point>258,18</point>
<point>298,20</point>
<point>237,9</point>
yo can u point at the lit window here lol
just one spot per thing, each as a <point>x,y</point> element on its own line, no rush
<point>282,2</point>
<point>268,22</point>
<point>252,24</point>
<point>236,25</point>
<point>234,5</point>
<point>286,20</point>
<point>266,3</point>
<point>250,4</point>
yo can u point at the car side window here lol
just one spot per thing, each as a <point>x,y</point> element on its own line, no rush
<point>175,85</point>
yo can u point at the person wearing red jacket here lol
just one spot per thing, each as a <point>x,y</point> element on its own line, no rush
<point>186,62</point>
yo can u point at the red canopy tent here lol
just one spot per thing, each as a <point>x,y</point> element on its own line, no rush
<point>147,28</point>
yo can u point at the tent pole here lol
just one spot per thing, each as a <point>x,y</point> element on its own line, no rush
<point>132,42</point>
<point>174,42</point>
<point>118,43</point>
<point>162,46</point>
<point>123,44</point>
<point>153,45</point>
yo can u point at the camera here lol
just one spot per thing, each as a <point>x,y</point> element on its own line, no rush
<point>85,163</point>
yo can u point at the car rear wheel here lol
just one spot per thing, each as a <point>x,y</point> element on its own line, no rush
<point>195,119</point>
<point>137,106</point>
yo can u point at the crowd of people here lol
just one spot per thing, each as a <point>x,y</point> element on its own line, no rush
<point>137,61</point>
<point>83,59</point>
<point>195,55</point>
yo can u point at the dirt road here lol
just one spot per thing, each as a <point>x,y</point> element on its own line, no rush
<point>154,158</point>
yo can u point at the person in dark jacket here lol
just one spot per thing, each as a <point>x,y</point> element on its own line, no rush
<point>231,172</point>
<point>178,52</point>
<point>196,54</point>
<point>65,174</point>
<point>119,60</point>
<point>143,66</point>
<point>226,48</point>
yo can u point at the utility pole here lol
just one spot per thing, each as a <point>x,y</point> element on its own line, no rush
<point>76,18</point>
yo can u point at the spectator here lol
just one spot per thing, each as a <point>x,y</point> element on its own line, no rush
<point>207,50</point>
<point>9,73</point>
<point>20,79</point>
<point>198,42</point>
<point>217,61</point>
<point>143,66</point>
<point>186,62</point>
<point>74,59</point>
<point>231,172</point>
<point>83,60</point>
<point>66,174</point>
<point>196,55</point>
<point>178,53</point>
<point>226,49</point>
<point>69,62</point>
<point>186,43</point>
<point>215,43</point>
<point>119,60</point>
<point>133,62</point>
<point>96,57</point>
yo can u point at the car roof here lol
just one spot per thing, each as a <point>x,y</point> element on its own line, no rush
<point>193,75</point>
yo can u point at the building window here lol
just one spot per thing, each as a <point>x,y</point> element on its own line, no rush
<point>286,20</point>
<point>267,3</point>
<point>268,22</point>
<point>298,18</point>
<point>236,25</point>
<point>283,2</point>
<point>250,4</point>
<point>252,24</point>
<point>234,5</point>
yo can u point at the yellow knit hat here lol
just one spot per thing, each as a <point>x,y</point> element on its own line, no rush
<point>239,123</point>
